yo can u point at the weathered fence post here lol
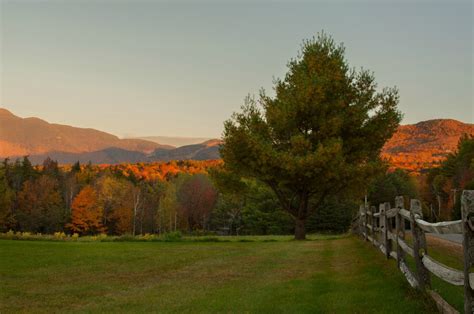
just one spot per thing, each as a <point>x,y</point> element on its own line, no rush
<point>382,228</point>
<point>400,225</point>
<point>419,244</point>
<point>372,222</point>
<point>387,228</point>
<point>467,210</point>
<point>364,221</point>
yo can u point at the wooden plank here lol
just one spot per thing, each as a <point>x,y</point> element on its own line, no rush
<point>441,304</point>
<point>382,248</point>
<point>391,236</point>
<point>405,247</point>
<point>448,274</point>
<point>391,212</point>
<point>467,214</point>
<point>385,227</point>
<point>405,214</point>
<point>369,227</point>
<point>393,254</point>
<point>377,214</point>
<point>441,227</point>
<point>408,274</point>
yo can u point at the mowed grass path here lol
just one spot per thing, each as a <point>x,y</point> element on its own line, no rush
<point>343,275</point>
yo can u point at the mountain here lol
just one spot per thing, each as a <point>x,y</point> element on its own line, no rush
<point>413,147</point>
<point>423,145</point>
<point>111,155</point>
<point>33,136</point>
<point>204,151</point>
<point>175,141</point>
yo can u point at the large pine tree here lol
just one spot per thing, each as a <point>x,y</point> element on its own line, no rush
<point>321,133</point>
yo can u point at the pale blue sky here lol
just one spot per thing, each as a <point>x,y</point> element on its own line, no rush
<point>181,68</point>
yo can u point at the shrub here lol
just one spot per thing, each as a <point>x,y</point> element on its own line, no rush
<point>334,216</point>
<point>147,237</point>
<point>59,235</point>
<point>172,236</point>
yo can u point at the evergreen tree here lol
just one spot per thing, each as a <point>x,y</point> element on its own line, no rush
<point>321,133</point>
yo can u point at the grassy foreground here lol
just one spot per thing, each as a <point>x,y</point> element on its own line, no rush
<point>323,275</point>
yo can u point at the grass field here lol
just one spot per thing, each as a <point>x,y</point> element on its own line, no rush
<point>328,274</point>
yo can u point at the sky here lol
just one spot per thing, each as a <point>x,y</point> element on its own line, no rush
<point>181,68</point>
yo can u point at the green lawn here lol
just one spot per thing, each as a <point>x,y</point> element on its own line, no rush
<point>324,275</point>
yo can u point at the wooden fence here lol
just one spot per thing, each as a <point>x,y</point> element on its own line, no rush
<point>385,228</point>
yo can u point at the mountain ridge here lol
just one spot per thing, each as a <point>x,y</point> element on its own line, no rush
<point>34,136</point>
<point>414,147</point>
<point>176,141</point>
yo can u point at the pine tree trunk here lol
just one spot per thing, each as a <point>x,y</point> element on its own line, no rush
<point>300,230</point>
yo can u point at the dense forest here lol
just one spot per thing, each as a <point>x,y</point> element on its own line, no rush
<point>129,199</point>
<point>193,197</point>
<point>197,197</point>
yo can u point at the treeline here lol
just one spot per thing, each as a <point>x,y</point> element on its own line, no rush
<point>193,197</point>
<point>198,197</point>
<point>131,199</point>
<point>439,189</point>
<point>124,199</point>
<point>443,185</point>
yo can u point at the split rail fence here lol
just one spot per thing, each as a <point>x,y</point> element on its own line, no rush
<point>385,228</point>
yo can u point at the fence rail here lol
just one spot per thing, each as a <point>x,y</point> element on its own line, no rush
<point>385,228</point>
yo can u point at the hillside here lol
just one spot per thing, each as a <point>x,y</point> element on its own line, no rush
<point>422,145</point>
<point>33,136</point>
<point>203,151</point>
<point>414,147</point>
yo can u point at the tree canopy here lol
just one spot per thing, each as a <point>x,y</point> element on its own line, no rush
<point>321,133</point>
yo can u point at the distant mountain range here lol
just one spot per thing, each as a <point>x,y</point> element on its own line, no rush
<point>39,139</point>
<point>33,136</point>
<point>414,147</point>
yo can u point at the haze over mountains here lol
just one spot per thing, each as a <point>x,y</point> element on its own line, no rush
<point>414,147</point>
<point>174,141</point>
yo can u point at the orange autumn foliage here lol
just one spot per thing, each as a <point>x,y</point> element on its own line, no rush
<point>123,218</point>
<point>86,213</point>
